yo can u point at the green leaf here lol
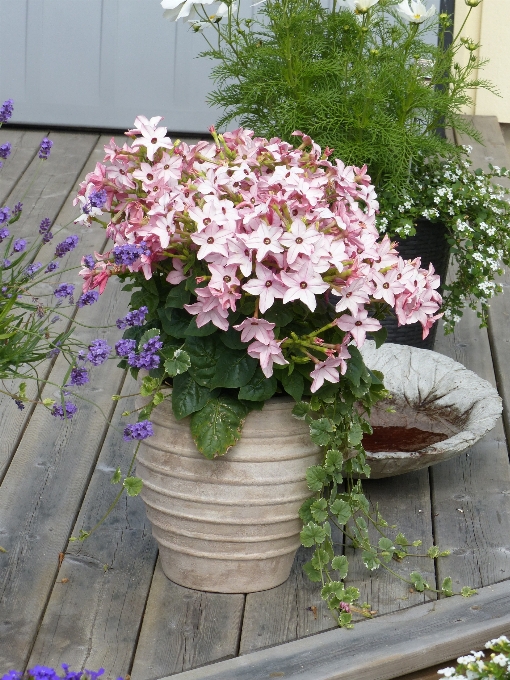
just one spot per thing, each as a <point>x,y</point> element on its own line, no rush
<point>279,314</point>
<point>341,564</point>
<point>148,386</point>
<point>148,335</point>
<point>133,485</point>
<point>175,322</point>
<point>466,591</point>
<point>305,514</point>
<point>334,461</point>
<point>301,410</point>
<point>234,369</point>
<point>447,587</point>
<point>312,534</point>
<point>188,396</point>
<point>344,620</point>
<point>341,510</point>
<point>313,574</point>
<point>320,431</point>
<point>204,354</point>
<point>178,296</point>
<point>193,331</point>
<point>259,388</point>
<point>316,477</point>
<point>401,540</point>
<point>232,339</point>
<point>142,298</point>
<point>335,588</point>
<point>293,384</point>
<point>418,581</point>
<point>319,510</point>
<point>355,366</point>
<point>386,544</point>
<point>370,560</point>
<point>355,434</point>
<point>179,363</point>
<point>116,476</point>
<point>379,336</point>
<point>433,552</point>
<point>217,426</point>
<point>320,558</point>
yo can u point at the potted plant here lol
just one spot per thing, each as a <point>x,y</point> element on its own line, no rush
<point>230,249</point>
<point>362,79</point>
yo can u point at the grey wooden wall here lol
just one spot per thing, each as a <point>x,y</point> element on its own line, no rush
<point>100,63</point>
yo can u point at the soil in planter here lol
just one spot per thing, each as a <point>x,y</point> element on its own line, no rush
<point>404,439</point>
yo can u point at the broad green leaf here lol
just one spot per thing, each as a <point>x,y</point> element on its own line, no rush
<point>175,322</point>
<point>293,384</point>
<point>312,573</point>
<point>334,461</point>
<point>466,591</point>
<point>319,510</point>
<point>234,368</point>
<point>418,581</point>
<point>447,587</point>
<point>335,588</point>
<point>370,560</point>
<point>178,296</point>
<point>116,476</point>
<point>312,534</point>
<point>341,564</point>
<point>158,398</point>
<point>341,510</point>
<point>433,552</point>
<point>179,363</point>
<point>320,431</point>
<point>148,386</point>
<point>316,477</point>
<point>301,410</point>
<point>133,485</point>
<point>401,540</point>
<point>355,366</point>
<point>258,388</point>
<point>141,298</point>
<point>204,354</point>
<point>194,331</point>
<point>279,314</point>
<point>355,434</point>
<point>344,620</point>
<point>379,336</point>
<point>217,426</point>
<point>188,396</point>
<point>148,335</point>
<point>232,339</point>
<point>320,558</point>
<point>305,514</point>
<point>386,544</point>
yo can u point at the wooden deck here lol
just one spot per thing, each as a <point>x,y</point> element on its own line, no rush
<point>106,603</point>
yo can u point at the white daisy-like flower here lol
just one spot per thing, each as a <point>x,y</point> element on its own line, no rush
<point>415,11</point>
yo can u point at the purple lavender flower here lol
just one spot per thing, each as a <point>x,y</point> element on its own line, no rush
<point>134,318</point>
<point>99,352</point>
<point>33,268</point>
<point>145,360</point>
<point>88,261</point>
<point>88,298</point>
<point>51,267</point>
<point>5,150</point>
<point>125,347</point>
<point>79,376</point>
<point>45,149</point>
<point>12,675</point>
<point>55,351</point>
<point>17,209</point>
<point>6,110</point>
<point>6,263</point>
<point>4,233</point>
<point>19,245</point>
<point>5,213</point>
<point>19,404</point>
<point>139,431</point>
<point>47,237</point>
<point>58,410</point>
<point>66,246</point>
<point>64,290</point>
<point>129,253</point>
<point>153,345</point>
<point>45,226</point>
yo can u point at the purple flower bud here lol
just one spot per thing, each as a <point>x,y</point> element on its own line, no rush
<point>21,407</point>
<point>99,352</point>
<point>47,237</point>
<point>45,226</point>
<point>6,110</point>
<point>139,431</point>
<point>6,263</point>
<point>33,268</point>
<point>88,298</point>
<point>5,213</point>
<point>64,290</point>
<point>65,412</point>
<point>17,209</point>
<point>51,267</point>
<point>125,347</point>
<point>5,150</point>
<point>129,253</point>
<point>88,261</point>
<point>19,245</point>
<point>134,318</point>
<point>4,233</point>
<point>79,376</point>
<point>97,199</point>
<point>66,246</point>
<point>45,149</point>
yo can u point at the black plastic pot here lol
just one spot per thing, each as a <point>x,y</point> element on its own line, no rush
<point>430,244</point>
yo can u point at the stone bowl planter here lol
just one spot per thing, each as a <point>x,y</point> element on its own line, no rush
<point>228,525</point>
<point>440,409</point>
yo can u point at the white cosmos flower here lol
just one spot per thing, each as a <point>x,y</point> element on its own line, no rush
<point>417,13</point>
<point>361,6</point>
<point>180,9</point>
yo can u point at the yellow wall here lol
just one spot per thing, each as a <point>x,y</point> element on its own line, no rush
<point>489,24</point>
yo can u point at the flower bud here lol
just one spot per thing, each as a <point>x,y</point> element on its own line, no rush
<point>472,3</point>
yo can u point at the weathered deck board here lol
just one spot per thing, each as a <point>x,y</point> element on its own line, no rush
<point>111,572</point>
<point>184,629</point>
<point>25,144</point>
<point>45,196</point>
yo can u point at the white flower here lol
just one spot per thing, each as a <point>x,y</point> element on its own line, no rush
<point>179,9</point>
<point>361,6</point>
<point>417,13</point>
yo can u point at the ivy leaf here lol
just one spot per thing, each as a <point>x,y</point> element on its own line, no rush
<point>319,510</point>
<point>386,545</point>
<point>320,558</point>
<point>370,560</point>
<point>293,384</point>
<point>401,540</point>
<point>259,388</point>
<point>316,477</point>
<point>466,591</point>
<point>179,363</point>
<point>313,574</point>
<point>341,510</point>
<point>305,514</point>
<point>312,534</point>
<point>188,396</point>
<point>341,564</point>
<point>233,368</point>
<point>217,426</point>
<point>116,476</point>
<point>320,431</point>
<point>344,620</point>
<point>418,581</point>
<point>335,588</point>
<point>301,410</point>
<point>433,552</point>
<point>133,485</point>
<point>447,587</point>
<point>334,461</point>
<point>148,386</point>
<point>178,296</point>
<point>355,434</point>
<point>204,354</point>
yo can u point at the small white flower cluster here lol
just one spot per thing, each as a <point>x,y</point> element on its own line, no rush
<point>475,666</point>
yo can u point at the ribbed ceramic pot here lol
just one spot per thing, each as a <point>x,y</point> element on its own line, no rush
<point>228,525</point>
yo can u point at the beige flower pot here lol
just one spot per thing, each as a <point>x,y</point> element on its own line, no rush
<point>228,525</point>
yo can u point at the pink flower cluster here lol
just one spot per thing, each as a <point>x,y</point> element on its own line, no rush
<point>248,216</point>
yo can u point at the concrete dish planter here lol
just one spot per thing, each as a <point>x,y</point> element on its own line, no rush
<point>228,525</point>
<point>435,394</point>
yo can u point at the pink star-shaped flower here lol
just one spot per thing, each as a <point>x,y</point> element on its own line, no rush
<point>325,370</point>
<point>264,240</point>
<point>267,355</point>
<point>260,329</point>
<point>358,325</point>
<point>303,285</point>
<point>299,240</point>
<point>266,286</point>
<point>211,240</point>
